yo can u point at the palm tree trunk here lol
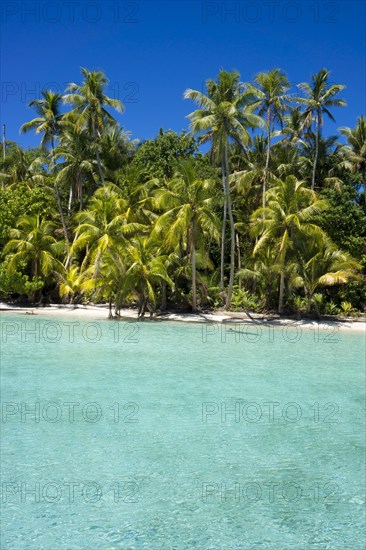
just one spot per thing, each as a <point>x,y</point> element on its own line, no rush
<point>110,314</point>
<point>68,259</point>
<point>101,175</point>
<point>308,305</point>
<point>80,194</point>
<point>223,231</point>
<point>265,180</point>
<point>193,259</point>
<point>163,296</point>
<point>316,150</point>
<point>239,255</point>
<point>70,201</point>
<point>58,196</point>
<point>232,231</point>
<point>281,294</point>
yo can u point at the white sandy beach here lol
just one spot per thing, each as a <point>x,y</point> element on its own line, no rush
<point>100,312</point>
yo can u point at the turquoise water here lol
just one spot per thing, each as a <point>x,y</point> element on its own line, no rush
<point>180,436</point>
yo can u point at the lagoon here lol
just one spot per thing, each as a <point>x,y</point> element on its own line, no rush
<point>160,435</point>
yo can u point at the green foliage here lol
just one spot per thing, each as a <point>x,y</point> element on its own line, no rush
<point>23,199</point>
<point>157,158</point>
<point>18,283</point>
<point>242,300</point>
<point>347,309</point>
<point>345,219</point>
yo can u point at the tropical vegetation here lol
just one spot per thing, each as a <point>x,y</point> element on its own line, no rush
<point>269,215</point>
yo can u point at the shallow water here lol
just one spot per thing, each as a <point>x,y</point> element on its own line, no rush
<point>121,435</point>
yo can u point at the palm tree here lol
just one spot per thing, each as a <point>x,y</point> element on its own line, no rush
<point>21,166</point>
<point>90,101</point>
<point>32,243</point>
<point>147,268</point>
<point>116,148</point>
<point>70,283</point>
<point>48,124</point>
<point>262,274</point>
<point>103,228</point>
<point>223,115</point>
<point>109,284</point>
<point>270,99</point>
<point>187,202</point>
<point>290,207</point>
<point>320,263</point>
<point>319,98</point>
<point>294,126</point>
<point>328,163</point>
<point>249,181</point>
<point>355,152</point>
<point>76,166</point>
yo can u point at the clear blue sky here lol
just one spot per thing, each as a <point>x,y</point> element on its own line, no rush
<point>152,51</point>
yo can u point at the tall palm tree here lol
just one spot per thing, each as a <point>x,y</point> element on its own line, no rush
<point>48,124</point>
<point>290,207</point>
<point>187,202</point>
<point>320,263</point>
<point>355,151</point>
<point>320,97</point>
<point>270,99</point>
<point>223,115</point>
<point>90,101</point>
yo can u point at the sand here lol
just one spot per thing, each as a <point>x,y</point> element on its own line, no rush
<point>100,312</point>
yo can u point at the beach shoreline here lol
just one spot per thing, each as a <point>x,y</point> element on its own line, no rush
<point>101,312</point>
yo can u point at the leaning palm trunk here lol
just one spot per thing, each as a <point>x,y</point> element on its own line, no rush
<point>316,151</point>
<point>68,259</point>
<point>232,231</point>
